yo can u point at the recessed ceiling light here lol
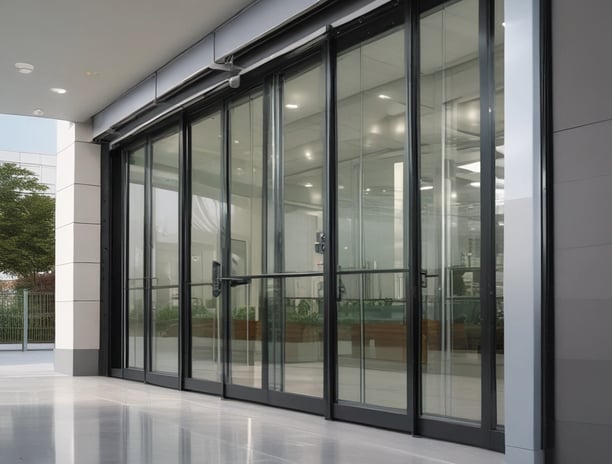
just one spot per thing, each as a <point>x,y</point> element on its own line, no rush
<point>92,73</point>
<point>427,187</point>
<point>473,167</point>
<point>58,90</point>
<point>308,185</point>
<point>368,189</point>
<point>475,184</point>
<point>292,106</point>
<point>308,154</point>
<point>340,187</point>
<point>504,24</point>
<point>38,112</point>
<point>236,141</point>
<point>24,68</point>
<point>382,96</point>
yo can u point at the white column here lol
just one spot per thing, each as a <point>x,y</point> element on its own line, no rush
<point>522,234</point>
<point>77,251</point>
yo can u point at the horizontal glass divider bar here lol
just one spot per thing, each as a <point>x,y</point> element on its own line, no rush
<point>161,287</point>
<point>279,275</point>
<point>133,288</point>
<point>373,271</point>
<point>200,284</point>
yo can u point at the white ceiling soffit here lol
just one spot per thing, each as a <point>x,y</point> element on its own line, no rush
<point>94,49</point>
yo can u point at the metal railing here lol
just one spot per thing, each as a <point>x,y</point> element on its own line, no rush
<point>27,317</point>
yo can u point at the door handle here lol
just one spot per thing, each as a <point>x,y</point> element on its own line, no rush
<point>425,276</point>
<point>218,279</point>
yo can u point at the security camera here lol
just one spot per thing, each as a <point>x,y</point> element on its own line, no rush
<point>234,81</point>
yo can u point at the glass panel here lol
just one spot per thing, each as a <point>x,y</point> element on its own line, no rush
<point>164,329</point>
<point>165,211</point>
<point>246,123</point>
<point>371,149</point>
<point>372,331</point>
<point>206,335</point>
<point>499,204</point>
<point>135,258</point>
<point>206,184</point>
<point>246,334</point>
<point>135,340</point>
<point>302,160</point>
<point>135,239</point>
<point>165,255</point>
<point>206,145</point>
<point>295,311</point>
<point>450,211</point>
<point>246,135</point>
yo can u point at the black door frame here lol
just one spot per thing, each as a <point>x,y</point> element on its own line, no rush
<point>384,18</point>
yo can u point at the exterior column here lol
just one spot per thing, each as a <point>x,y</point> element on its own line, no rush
<point>77,251</point>
<point>522,235</point>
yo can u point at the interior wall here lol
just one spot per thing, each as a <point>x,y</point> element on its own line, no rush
<point>582,124</point>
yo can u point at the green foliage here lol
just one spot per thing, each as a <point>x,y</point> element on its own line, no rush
<point>199,311</point>
<point>167,313</point>
<point>304,312</point>
<point>27,240</point>
<point>240,314</point>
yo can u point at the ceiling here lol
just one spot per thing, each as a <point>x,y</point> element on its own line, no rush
<point>94,49</point>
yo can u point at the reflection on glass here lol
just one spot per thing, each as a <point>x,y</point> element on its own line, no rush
<point>164,255</point>
<point>165,202</point>
<point>302,159</point>
<point>246,334</point>
<point>450,211</point>
<point>206,145</point>
<point>246,151</point>
<point>135,252</point>
<point>295,324</point>
<point>246,177</point>
<point>372,331</point>
<point>206,336</point>
<point>135,329</point>
<point>164,330</point>
<point>371,150</point>
<point>499,205</point>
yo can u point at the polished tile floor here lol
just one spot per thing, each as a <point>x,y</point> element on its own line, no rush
<point>50,418</point>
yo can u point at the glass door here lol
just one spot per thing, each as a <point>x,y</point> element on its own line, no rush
<point>273,270</point>
<point>164,303</point>
<point>205,336</point>
<point>461,215</point>
<point>152,316</point>
<point>372,308</point>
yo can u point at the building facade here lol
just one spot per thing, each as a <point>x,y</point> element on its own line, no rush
<point>346,208</point>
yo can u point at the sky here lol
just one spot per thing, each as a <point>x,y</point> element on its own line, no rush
<point>28,134</point>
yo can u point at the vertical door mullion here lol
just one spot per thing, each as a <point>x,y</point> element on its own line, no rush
<point>487,192</point>
<point>184,338</point>
<point>125,166</point>
<point>279,221</point>
<point>269,150</point>
<point>147,259</point>
<point>225,231</point>
<point>330,227</point>
<point>412,218</point>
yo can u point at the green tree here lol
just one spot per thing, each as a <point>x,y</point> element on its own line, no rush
<point>27,242</point>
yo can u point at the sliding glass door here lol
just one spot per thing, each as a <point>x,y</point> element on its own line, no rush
<point>329,237</point>
<point>275,274</point>
<point>152,293</point>
<point>371,311</point>
<point>205,335</point>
